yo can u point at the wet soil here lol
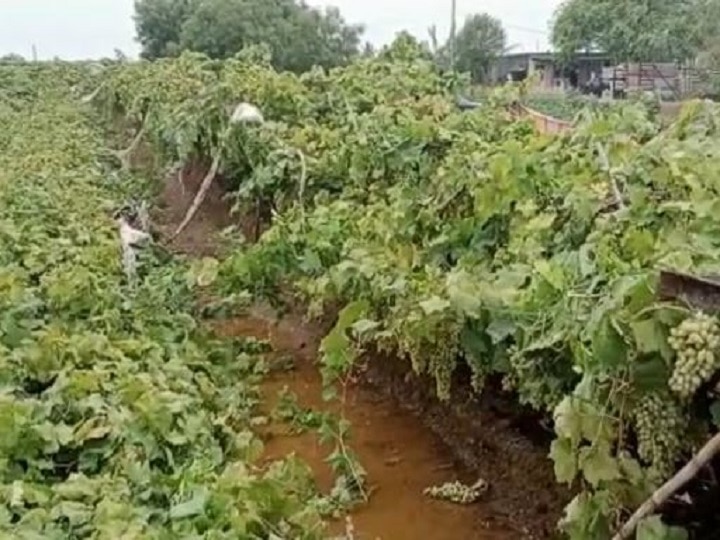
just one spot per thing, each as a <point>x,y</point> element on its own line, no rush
<point>404,438</point>
<point>400,456</point>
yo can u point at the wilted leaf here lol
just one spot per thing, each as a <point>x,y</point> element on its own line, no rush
<point>206,271</point>
<point>500,329</point>
<point>653,528</point>
<point>568,420</point>
<point>434,305</point>
<point>562,452</point>
<point>597,464</point>
<point>190,508</point>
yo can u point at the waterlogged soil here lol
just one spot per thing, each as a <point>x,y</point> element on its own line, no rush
<point>405,439</point>
<point>400,456</point>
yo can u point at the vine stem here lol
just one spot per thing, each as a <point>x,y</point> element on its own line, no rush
<point>199,197</point>
<point>613,181</point>
<point>125,155</point>
<point>667,490</point>
<point>93,95</point>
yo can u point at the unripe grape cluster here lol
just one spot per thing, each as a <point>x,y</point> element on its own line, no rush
<point>457,492</point>
<point>659,424</point>
<point>437,355</point>
<point>696,342</point>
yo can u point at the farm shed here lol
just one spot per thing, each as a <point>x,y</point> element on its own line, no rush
<point>554,74</point>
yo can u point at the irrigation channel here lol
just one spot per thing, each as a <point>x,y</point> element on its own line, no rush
<point>404,439</point>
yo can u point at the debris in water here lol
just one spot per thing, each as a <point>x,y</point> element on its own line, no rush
<point>457,492</point>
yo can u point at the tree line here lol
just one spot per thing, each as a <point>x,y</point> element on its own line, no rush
<point>638,30</point>
<point>300,36</point>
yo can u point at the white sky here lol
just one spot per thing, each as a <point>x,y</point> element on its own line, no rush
<point>75,29</point>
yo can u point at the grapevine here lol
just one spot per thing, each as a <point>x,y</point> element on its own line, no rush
<point>660,426</point>
<point>696,342</point>
<point>400,193</point>
<point>437,356</point>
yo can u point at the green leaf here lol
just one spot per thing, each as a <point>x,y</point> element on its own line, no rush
<point>193,507</point>
<point>474,343</point>
<point>464,293</point>
<point>364,326</point>
<point>653,528</point>
<point>206,271</point>
<point>586,517</point>
<point>568,419</point>
<point>597,464</point>
<point>649,336</point>
<point>562,452</point>
<point>608,346</point>
<point>500,329</point>
<point>715,412</point>
<point>434,305</point>
<point>552,273</point>
<point>650,375</point>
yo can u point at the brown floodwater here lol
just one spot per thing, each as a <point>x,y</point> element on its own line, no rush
<point>401,456</point>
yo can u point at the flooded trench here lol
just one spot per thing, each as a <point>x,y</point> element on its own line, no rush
<point>401,456</point>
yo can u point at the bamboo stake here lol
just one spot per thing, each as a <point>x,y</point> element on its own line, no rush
<point>667,490</point>
<point>199,197</point>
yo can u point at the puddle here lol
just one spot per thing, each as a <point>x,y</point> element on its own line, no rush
<point>400,456</point>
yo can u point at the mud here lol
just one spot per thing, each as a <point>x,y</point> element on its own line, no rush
<point>404,438</point>
<point>400,456</point>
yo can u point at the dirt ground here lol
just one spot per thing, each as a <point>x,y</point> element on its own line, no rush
<point>405,438</point>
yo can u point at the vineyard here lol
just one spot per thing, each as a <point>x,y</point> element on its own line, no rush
<point>482,253</point>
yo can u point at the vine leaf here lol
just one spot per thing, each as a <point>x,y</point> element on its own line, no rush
<point>715,413</point>
<point>464,294</point>
<point>206,271</point>
<point>190,508</point>
<point>500,329</point>
<point>568,421</point>
<point>608,346</point>
<point>650,338</point>
<point>434,305</point>
<point>650,375</point>
<point>653,528</point>
<point>597,463</point>
<point>562,452</point>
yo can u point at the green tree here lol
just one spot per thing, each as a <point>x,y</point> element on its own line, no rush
<point>632,30</point>
<point>297,35</point>
<point>159,23</point>
<point>480,41</point>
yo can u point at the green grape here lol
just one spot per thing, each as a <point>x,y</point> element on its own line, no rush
<point>695,342</point>
<point>436,354</point>
<point>659,425</point>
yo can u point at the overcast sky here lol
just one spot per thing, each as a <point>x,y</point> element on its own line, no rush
<point>74,29</point>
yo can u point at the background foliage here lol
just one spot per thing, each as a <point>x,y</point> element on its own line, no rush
<point>297,35</point>
<point>467,238</point>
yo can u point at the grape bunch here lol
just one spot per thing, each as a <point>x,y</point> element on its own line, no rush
<point>457,492</point>
<point>696,342</point>
<point>659,424</point>
<point>436,354</point>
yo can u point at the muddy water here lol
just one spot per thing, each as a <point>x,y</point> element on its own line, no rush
<point>401,457</point>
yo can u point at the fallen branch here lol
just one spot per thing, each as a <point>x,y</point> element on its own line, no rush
<point>125,155</point>
<point>91,97</point>
<point>667,490</point>
<point>199,197</point>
